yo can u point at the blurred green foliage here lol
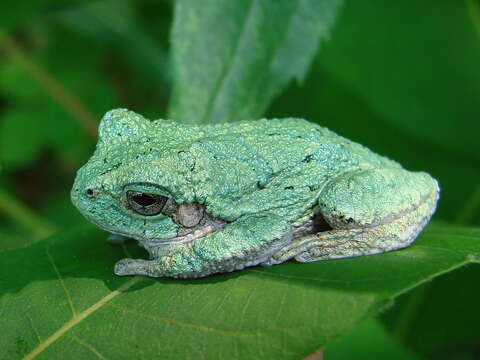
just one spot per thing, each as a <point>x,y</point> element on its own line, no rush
<point>399,77</point>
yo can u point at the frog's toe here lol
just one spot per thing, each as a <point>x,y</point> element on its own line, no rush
<point>127,267</point>
<point>124,267</point>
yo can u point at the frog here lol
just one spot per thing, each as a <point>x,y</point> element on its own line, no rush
<point>217,198</point>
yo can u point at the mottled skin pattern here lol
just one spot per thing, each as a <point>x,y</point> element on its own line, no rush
<point>256,192</point>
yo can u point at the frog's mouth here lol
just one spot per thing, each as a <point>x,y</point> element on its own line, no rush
<point>192,220</point>
<point>193,226</point>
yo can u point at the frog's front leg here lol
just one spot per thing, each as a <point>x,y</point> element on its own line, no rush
<point>248,241</point>
<point>115,239</point>
<point>370,212</point>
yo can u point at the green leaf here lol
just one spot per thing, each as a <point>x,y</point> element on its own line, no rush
<point>369,340</point>
<point>12,237</point>
<point>59,299</point>
<point>416,65</point>
<point>424,318</point>
<point>38,118</point>
<point>16,13</point>
<point>118,28</point>
<point>17,146</point>
<point>230,58</point>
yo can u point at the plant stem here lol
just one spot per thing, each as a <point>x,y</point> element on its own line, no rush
<point>24,217</point>
<point>57,91</point>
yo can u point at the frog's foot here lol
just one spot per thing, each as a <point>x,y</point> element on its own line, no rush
<point>247,241</point>
<point>127,267</point>
<point>365,235</point>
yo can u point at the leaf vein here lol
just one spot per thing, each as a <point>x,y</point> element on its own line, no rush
<point>187,325</point>
<point>80,317</point>
<point>62,282</point>
<point>223,77</point>
<point>263,78</point>
<point>88,346</point>
<point>35,331</point>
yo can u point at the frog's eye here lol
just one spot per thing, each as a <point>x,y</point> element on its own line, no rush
<point>145,204</point>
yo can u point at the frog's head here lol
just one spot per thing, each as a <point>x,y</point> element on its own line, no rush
<point>138,182</point>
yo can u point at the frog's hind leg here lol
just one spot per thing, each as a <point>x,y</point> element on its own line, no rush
<point>369,212</point>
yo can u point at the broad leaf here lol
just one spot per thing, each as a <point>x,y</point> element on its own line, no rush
<point>144,53</point>
<point>230,58</point>
<point>59,299</point>
<point>415,63</point>
<point>39,116</point>
<point>18,12</point>
<point>419,318</point>
<point>369,340</point>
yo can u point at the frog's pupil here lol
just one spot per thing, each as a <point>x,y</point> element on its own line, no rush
<point>144,200</point>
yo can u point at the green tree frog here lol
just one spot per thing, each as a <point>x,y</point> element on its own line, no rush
<point>219,198</point>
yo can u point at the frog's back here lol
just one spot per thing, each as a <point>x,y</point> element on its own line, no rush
<point>286,142</point>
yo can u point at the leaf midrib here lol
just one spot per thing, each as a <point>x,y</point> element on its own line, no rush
<point>80,317</point>
<point>221,81</point>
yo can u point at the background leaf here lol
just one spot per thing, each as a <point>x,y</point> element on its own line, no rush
<point>230,58</point>
<point>17,12</point>
<point>450,302</point>
<point>424,82</point>
<point>72,304</point>
<point>369,340</point>
<point>143,53</point>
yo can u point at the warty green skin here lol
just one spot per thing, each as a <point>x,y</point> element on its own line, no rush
<point>263,186</point>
